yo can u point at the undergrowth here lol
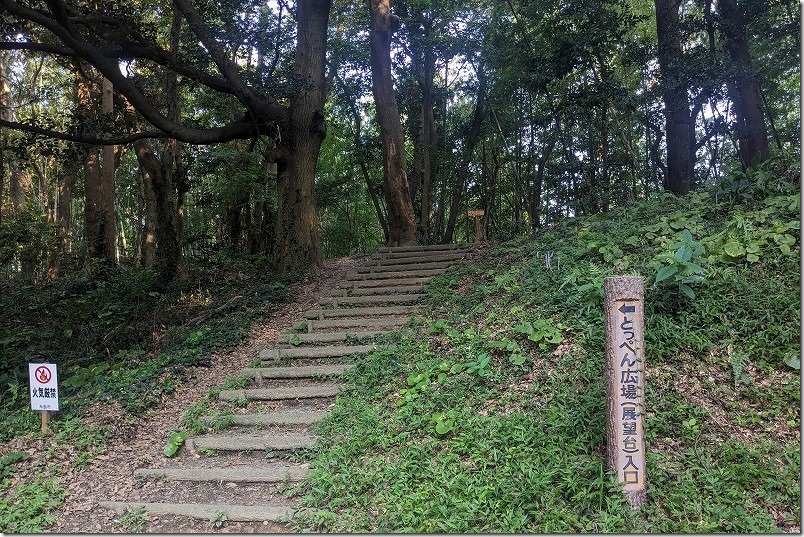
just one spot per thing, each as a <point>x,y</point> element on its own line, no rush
<point>490,417</point>
<point>119,337</point>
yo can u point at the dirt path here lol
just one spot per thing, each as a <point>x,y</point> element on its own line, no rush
<point>135,441</point>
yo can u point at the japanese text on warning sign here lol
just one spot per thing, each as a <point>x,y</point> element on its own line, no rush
<point>44,386</point>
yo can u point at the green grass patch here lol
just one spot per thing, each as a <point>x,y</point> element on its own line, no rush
<point>490,417</point>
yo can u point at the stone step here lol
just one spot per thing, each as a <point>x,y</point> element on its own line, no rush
<point>279,417</point>
<point>322,314</point>
<point>330,351</point>
<point>314,325</point>
<point>297,372</point>
<point>207,511</point>
<point>399,267</point>
<point>330,337</point>
<point>379,291</point>
<point>399,274</point>
<point>361,284</point>
<point>405,259</point>
<point>425,248</point>
<point>286,392</point>
<point>337,302</point>
<point>252,442</point>
<point>279,473</point>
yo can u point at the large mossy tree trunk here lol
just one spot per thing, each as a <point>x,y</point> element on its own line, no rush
<point>297,244</point>
<point>401,220</point>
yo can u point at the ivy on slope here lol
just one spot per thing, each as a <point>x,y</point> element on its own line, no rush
<point>489,414</point>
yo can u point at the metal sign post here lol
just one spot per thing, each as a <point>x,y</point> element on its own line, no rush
<point>625,386</point>
<point>44,390</point>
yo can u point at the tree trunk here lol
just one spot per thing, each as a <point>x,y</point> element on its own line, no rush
<point>148,242</point>
<point>360,154</point>
<point>5,114</point>
<point>99,194</point>
<point>424,142</point>
<point>298,245</point>
<point>535,194</point>
<point>401,222</point>
<point>107,181</point>
<point>743,87</point>
<point>678,121</point>
<point>463,170</point>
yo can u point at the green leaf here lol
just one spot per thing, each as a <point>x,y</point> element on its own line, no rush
<point>517,359</point>
<point>666,272</point>
<point>457,368</point>
<point>753,248</point>
<point>683,253</point>
<point>794,361</point>
<point>443,427</point>
<point>174,443</point>
<point>692,268</point>
<point>752,258</point>
<point>687,290</point>
<point>734,249</point>
<point>686,236</point>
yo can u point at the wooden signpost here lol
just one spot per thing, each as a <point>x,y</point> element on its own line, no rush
<point>478,214</point>
<point>625,384</point>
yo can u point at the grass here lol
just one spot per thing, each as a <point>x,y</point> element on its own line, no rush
<point>425,438</point>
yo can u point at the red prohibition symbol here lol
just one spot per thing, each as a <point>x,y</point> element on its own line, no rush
<point>42,374</point>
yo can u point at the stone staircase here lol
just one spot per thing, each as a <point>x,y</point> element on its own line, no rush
<point>239,474</point>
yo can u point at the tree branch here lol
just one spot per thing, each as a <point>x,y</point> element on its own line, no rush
<point>33,129</point>
<point>261,110</point>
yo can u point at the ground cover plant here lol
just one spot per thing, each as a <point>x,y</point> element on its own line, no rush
<point>489,415</point>
<point>119,338</point>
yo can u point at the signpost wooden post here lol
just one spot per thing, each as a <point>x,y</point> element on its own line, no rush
<point>478,214</point>
<point>625,384</point>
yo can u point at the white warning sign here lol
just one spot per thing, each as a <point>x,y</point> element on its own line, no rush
<point>44,387</point>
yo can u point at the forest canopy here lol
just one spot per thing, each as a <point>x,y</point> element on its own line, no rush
<point>165,134</point>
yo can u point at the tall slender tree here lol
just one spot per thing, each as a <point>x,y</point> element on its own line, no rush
<point>401,220</point>
<point>679,123</point>
<point>743,86</point>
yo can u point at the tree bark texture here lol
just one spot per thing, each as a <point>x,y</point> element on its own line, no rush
<point>107,181</point>
<point>679,123</point>
<point>424,142</point>
<point>752,138</point>
<point>5,110</point>
<point>297,244</point>
<point>401,221</point>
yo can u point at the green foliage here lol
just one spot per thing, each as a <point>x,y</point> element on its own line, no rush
<point>27,507</point>
<point>218,519</point>
<point>119,338</point>
<point>541,331</point>
<point>71,434</point>
<point>133,520</point>
<point>175,441</point>
<point>680,266</point>
<point>521,447</point>
<point>8,460</point>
